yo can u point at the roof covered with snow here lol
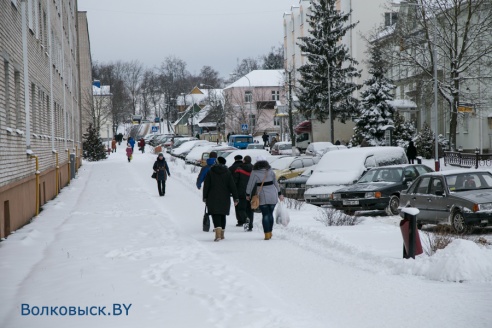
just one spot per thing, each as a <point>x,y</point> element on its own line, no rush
<point>104,90</point>
<point>260,78</point>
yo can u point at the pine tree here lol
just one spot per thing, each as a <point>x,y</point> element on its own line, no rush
<point>325,52</point>
<point>94,149</point>
<point>375,113</point>
<point>424,142</point>
<point>403,132</point>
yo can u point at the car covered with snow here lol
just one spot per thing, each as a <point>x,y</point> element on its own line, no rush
<point>461,198</point>
<point>199,155</point>
<point>294,188</point>
<point>341,168</point>
<point>322,147</point>
<point>253,153</point>
<point>183,150</point>
<point>378,189</point>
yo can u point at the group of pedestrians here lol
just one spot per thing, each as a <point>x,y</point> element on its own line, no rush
<point>241,181</point>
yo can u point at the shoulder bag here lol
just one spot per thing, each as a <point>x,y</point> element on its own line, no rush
<point>255,200</point>
<point>206,221</point>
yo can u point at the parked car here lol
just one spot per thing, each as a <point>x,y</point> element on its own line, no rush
<point>320,148</point>
<point>284,148</point>
<point>182,150</point>
<point>254,153</point>
<point>255,146</point>
<point>240,141</point>
<point>461,198</point>
<point>341,168</point>
<point>199,155</point>
<point>378,189</point>
<point>178,141</point>
<point>295,187</point>
<point>291,166</point>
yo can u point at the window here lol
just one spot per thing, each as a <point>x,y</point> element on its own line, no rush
<point>423,169</point>
<point>33,107</point>
<point>29,15</point>
<point>252,120</point>
<point>466,122</point>
<point>307,162</point>
<point>390,18</point>
<point>297,164</point>
<point>275,95</point>
<point>423,186</point>
<point>248,96</point>
<point>277,121</point>
<point>436,186</point>
<point>370,162</point>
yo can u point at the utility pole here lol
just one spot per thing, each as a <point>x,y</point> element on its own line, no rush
<point>291,119</point>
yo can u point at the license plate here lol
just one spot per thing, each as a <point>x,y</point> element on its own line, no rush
<point>484,221</point>
<point>291,190</point>
<point>350,202</point>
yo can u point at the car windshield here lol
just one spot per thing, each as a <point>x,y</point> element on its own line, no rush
<point>382,175</point>
<point>285,146</point>
<point>469,181</point>
<point>281,163</point>
<point>243,139</point>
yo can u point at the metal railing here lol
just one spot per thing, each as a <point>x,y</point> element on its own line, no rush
<point>461,159</point>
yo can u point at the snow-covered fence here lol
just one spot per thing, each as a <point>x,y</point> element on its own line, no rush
<point>467,159</point>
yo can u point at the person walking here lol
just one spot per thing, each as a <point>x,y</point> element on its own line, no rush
<point>120,138</point>
<point>263,179</point>
<point>217,189</point>
<point>273,142</point>
<point>411,152</point>
<point>204,170</point>
<point>141,145</point>
<point>238,161</point>
<point>162,172</point>
<point>129,152</point>
<point>131,142</point>
<point>265,138</point>
<point>113,145</point>
<point>241,177</point>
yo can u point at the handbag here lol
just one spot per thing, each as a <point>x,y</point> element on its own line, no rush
<point>206,221</point>
<point>154,175</point>
<point>255,200</point>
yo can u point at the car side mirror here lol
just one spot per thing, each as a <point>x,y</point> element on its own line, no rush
<point>440,193</point>
<point>291,168</point>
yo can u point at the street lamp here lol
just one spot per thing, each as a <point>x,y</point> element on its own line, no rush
<point>250,101</point>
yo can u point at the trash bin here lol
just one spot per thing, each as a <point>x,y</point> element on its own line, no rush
<point>419,160</point>
<point>411,239</point>
<point>72,166</point>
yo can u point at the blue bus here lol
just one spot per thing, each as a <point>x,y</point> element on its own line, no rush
<point>240,141</point>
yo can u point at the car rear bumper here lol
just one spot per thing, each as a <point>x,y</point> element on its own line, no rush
<point>315,200</point>
<point>478,218</point>
<point>361,204</point>
<point>294,193</point>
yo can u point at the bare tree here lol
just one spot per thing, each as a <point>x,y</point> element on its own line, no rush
<point>97,109</point>
<point>209,76</point>
<point>463,38</point>
<point>132,75</point>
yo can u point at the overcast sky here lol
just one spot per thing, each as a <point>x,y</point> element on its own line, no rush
<point>200,32</point>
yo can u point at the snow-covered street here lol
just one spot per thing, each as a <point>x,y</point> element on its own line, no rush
<point>109,239</point>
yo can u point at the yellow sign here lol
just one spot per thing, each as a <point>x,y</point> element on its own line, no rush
<point>465,109</point>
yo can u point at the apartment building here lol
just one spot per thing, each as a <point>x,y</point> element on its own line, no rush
<point>40,125</point>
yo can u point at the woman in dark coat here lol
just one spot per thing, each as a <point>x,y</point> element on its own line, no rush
<point>162,171</point>
<point>411,152</point>
<point>241,178</point>
<point>217,189</point>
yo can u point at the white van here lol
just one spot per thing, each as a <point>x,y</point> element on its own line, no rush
<point>340,168</point>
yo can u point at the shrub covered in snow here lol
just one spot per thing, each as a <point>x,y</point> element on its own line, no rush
<point>332,217</point>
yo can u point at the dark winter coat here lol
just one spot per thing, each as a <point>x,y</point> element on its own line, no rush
<point>411,151</point>
<point>234,166</point>
<point>141,143</point>
<point>241,178</point>
<point>162,170</point>
<point>217,189</point>
<point>203,172</point>
<point>270,191</point>
<point>265,137</point>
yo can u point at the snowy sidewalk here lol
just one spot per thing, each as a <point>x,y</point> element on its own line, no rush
<point>109,238</point>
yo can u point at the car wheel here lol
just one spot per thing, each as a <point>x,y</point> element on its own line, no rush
<point>393,204</point>
<point>458,222</point>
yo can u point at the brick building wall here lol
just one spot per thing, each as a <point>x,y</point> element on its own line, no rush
<point>52,108</point>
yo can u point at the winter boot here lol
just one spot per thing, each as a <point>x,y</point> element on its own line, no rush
<point>222,234</point>
<point>268,235</point>
<point>218,233</point>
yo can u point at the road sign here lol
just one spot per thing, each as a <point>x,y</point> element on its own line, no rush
<point>244,127</point>
<point>155,128</point>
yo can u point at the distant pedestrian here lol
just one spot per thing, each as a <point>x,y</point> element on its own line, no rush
<point>238,161</point>
<point>337,143</point>
<point>263,179</point>
<point>273,142</point>
<point>131,142</point>
<point>265,139</point>
<point>241,178</point>
<point>228,136</point>
<point>120,138</point>
<point>141,145</point>
<point>162,172</point>
<point>113,145</point>
<point>204,170</point>
<point>129,152</point>
<point>197,135</point>
<point>411,152</point>
<point>217,189</point>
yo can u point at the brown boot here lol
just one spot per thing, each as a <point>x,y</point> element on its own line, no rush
<point>218,234</point>
<point>222,234</point>
<point>268,235</point>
